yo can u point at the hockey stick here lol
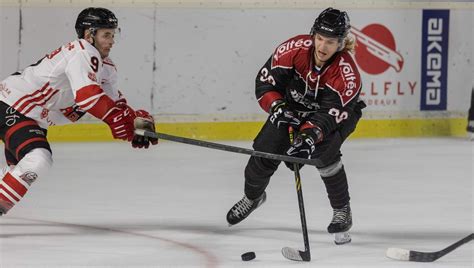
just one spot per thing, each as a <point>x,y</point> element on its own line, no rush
<point>227,148</point>
<point>291,253</point>
<point>417,256</point>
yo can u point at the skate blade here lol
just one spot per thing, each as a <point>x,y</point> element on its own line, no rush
<point>342,238</point>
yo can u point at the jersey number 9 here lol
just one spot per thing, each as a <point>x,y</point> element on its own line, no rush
<point>95,64</point>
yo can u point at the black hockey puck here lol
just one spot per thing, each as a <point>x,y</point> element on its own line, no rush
<point>248,256</point>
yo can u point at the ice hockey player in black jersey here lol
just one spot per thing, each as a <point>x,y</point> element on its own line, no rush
<point>311,83</point>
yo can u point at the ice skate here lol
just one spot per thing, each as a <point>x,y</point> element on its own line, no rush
<point>243,208</point>
<point>340,225</point>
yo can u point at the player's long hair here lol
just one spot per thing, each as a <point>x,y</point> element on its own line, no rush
<point>349,44</point>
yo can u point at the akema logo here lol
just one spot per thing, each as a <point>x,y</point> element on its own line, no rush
<point>434,63</point>
<point>376,49</point>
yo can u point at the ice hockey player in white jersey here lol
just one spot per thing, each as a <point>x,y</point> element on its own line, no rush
<point>74,79</point>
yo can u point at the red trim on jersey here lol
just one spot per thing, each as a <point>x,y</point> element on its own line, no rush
<point>102,105</point>
<point>30,95</point>
<point>87,92</point>
<point>13,182</point>
<point>33,100</point>
<point>15,128</point>
<point>45,99</point>
<point>9,193</point>
<point>108,63</point>
<point>23,144</point>
<point>268,98</point>
<point>80,43</point>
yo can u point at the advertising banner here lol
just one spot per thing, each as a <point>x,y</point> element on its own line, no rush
<point>388,56</point>
<point>434,60</point>
<point>403,59</point>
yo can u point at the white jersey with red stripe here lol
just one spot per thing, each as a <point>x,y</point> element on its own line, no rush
<point>46,90</point>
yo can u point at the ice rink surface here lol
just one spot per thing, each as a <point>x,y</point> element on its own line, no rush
<point>107,205</point>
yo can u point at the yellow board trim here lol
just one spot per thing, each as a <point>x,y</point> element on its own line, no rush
<point>248,130</point>
<point>422,127</point>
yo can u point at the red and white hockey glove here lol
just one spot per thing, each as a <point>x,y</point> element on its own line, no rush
<point>143,121</point>
<point>120,121</point>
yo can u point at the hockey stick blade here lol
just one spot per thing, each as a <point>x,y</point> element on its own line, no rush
<point>228,148</point>
<point>417,256</point>
<point>295,255</point>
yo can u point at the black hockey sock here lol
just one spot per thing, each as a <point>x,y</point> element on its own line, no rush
<point>337,189</point>
<point>257,175</point>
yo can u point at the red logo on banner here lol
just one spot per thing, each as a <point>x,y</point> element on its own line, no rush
<point>376,49</point>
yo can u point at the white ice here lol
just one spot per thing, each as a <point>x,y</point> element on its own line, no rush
<point>107,205</point>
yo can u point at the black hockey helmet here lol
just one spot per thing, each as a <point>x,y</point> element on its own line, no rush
<point>95,18</point>
<point>332,23</point>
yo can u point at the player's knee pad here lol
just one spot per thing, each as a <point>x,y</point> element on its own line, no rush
<point>331,170</point>
<point>35,163</point>
<point>38,161</point>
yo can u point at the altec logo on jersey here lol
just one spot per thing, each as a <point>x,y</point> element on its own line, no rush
<point>434,60</point>
<point>375,54</point>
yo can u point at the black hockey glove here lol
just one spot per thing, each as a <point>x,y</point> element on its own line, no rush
<point>305,142</point>
<point>282,116</point>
